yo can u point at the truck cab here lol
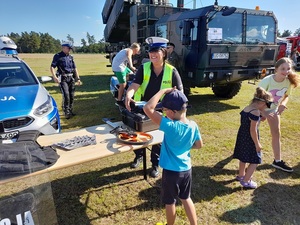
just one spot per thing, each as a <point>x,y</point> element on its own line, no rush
<point>221,46</point>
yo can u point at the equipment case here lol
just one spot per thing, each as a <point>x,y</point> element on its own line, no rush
<point>138,121</point>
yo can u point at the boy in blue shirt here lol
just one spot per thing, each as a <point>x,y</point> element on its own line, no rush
<point>180,135</point>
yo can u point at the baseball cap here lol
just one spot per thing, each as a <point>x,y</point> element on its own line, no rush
<point>67,44</point>
<point>156,43</point>
<point>175,100</point>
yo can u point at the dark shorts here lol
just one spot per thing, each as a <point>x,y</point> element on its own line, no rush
<point>122,75</point>
<point>176,185</point>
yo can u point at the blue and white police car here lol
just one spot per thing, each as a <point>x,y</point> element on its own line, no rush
<point>25,104</point>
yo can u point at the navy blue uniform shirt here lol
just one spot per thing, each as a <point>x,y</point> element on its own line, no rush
<point>63,62</point>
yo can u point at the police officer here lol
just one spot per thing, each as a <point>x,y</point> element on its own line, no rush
<point>66,75</point>
<point>173,57</point>
<point>150,78</point>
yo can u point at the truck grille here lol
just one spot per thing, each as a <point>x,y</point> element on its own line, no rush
<point>17,122</point>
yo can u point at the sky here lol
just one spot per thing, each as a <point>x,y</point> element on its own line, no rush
<point>77,17</point>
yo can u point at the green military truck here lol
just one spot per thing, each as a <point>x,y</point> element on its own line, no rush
<point>220,46</point>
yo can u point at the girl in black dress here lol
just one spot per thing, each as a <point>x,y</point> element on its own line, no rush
<point>248,148</point>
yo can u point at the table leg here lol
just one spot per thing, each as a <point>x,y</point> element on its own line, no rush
<point>145,163</point>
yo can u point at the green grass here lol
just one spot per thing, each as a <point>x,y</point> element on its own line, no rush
<point>106,191</point>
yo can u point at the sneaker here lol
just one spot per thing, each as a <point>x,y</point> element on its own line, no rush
<point>136,162</point>
<point>154,172</point>
<point>250,184</point>
<point>238,178</point>
<point>282,166</point>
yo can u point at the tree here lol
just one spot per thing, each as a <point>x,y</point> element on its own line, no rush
<point>90,39</point>
<point>286,33</point>
<point>70,39</point>
<point>23,44</point>
<point>34,42</point>
<point>83,42</point>
<point>49,44</point>
<point>297,32</point>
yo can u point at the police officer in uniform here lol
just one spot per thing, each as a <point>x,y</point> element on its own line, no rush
<point>65,75</point>
<point>150,78</point>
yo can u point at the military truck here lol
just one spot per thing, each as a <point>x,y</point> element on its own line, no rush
<point>220,46</point>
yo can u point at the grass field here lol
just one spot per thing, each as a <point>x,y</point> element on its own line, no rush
<point>108,192</point>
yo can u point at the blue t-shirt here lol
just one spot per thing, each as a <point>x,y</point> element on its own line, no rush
<point>177,143</point>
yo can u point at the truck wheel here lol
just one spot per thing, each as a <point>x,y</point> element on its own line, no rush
<point>227,91</point>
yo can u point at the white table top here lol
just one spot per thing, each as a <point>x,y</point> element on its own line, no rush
<point>106,145</point>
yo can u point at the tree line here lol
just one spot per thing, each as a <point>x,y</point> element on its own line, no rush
<point>34,42</point>
<point>287,33</point>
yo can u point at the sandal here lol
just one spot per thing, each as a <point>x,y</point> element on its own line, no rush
<point>250,184</point>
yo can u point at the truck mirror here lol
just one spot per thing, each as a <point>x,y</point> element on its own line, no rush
<point>228,11</point>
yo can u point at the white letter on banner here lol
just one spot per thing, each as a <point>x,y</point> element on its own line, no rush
<point>19,219</point>
<point>5,221</point>
<point>28,218</point>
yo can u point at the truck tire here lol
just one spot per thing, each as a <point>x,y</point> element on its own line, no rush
<point>227,91</point>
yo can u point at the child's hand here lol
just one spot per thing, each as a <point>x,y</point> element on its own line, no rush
<point>280,109</point>
<point>168,90</point>
<point>258,147</point>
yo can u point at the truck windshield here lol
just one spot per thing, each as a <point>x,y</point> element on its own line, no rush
<point>260,29</point>
<point>229,29</point>
<point>225,29</point>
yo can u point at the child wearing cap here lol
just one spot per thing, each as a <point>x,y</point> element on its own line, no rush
<point>180,135</point>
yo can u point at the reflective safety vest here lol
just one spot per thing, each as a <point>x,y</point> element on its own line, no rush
<point>166,80</point>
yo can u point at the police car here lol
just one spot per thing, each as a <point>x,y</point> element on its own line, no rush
<point>25,104</point>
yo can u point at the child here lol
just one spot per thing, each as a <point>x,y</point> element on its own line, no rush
<point>121,70</point>
<point>280,85</point>
<point>180,135</point>
<point>248,148</point>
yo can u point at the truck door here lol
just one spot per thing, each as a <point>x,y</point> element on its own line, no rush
<point>190,43</point>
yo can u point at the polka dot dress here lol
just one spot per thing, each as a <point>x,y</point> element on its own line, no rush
<point>245,149</point>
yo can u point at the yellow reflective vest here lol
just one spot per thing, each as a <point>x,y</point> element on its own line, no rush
<point>166,80</point>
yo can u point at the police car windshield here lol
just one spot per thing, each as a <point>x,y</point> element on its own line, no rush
<point>15,74</point>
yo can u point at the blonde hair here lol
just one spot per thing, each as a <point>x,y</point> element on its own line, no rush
<point>293,77</point>
<point>135,45</point>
